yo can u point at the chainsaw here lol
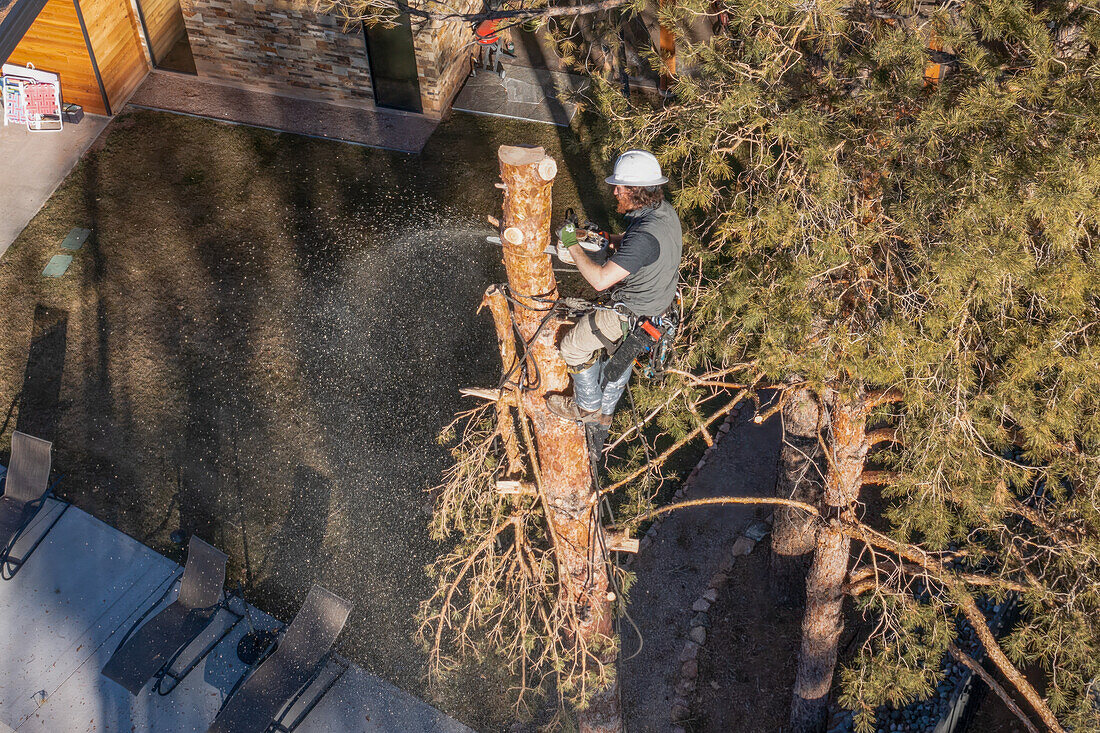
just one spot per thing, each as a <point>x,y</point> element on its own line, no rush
<point>589,237</point>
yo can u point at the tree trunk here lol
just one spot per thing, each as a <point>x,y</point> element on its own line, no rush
<point>823,622</point>
<point>799,478</point>
<point>666,47</point>
<point>563,466</point>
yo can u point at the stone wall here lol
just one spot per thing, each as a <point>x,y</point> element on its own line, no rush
<point>279,46</point>
<point>443,52</point>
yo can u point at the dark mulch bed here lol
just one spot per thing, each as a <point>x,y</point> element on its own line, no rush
<point>259,344</point>
<point>747,668</point>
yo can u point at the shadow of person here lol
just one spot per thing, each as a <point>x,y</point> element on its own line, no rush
<point>39,402</point>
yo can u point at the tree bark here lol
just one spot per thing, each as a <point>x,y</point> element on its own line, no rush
<point>799,478</point>
<point>563,468</point>
<point>666,47</point>
<point>823,622</point>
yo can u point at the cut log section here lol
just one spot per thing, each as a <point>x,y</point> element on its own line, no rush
<point>621,543</point>
<point>516,488</point>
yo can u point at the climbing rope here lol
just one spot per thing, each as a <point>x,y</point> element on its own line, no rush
<point>597,540</point>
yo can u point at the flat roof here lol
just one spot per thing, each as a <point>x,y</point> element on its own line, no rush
<point>5,6</point>
<point>16,17</point>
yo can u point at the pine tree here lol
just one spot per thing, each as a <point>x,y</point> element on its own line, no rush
<point>913,232</point>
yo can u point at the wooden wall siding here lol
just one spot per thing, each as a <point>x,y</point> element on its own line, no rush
<point>55,43</point>
<point>164,21</point>
<point>116,43</point>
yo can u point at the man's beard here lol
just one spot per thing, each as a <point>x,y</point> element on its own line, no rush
<point>624,205</point>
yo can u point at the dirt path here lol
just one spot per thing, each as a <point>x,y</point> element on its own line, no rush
<point>676,568</point>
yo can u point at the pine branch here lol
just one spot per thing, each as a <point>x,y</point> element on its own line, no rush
<point>977,620</point>
<point>877,478</point>
<point>659,460</point>
<point>386,11</point>
<point>882,435</point>
<point>882,397</point>
<point>965,602</point>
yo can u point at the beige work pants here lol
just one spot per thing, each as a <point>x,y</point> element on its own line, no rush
<point>580,344</point>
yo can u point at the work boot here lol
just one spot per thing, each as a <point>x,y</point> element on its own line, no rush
<point>584,405</point>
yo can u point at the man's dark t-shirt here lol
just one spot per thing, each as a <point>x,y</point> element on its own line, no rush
<point>650,251</point>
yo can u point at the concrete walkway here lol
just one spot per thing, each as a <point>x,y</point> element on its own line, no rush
<point>66,611</point>
<point>172,92</point>
<point>523,94</point>
<point>677,567</point>
<point>34,165</point>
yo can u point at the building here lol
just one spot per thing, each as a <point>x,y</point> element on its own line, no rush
<point>103,49</point>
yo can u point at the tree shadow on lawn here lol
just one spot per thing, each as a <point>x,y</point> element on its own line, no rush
<point>266,334</point>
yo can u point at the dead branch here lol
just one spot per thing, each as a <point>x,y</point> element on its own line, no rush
<point>516,488</point>
<point>972,664</point>
<point>482,393</point>
<point>723,500</point>
<point>720,413</point>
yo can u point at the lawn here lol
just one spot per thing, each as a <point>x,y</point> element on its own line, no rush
<point>259,344</point>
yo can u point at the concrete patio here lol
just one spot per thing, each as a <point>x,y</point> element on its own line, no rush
<point>523,94</point>
<point>184,94</point>
<point>37,163</point>
<point>67,610</point>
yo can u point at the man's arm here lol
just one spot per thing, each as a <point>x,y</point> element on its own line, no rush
<point>601,277</point>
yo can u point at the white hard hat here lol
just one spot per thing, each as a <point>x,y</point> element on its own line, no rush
<point>636,168</point>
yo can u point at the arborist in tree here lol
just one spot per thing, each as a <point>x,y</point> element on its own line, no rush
<point>640,267</point>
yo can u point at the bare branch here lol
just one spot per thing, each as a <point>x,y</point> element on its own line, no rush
<point>972,664</point>
<point>725,500</point>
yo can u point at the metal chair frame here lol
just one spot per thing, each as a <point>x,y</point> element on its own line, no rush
<point>166,670</point>
<point>278,725</point>
<point>9,566</point>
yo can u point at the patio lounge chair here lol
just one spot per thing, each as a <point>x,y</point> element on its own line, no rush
<point>151,650</point>
<point>264,696</point>
<point>25,494</point>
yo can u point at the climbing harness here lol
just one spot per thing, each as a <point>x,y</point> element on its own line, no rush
<point>648,342</point>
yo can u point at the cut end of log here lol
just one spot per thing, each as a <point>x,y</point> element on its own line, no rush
<point>516,488</point>
<point>512,235</point>
<point>492,395</point>
<point>548,168</point>
<point>518,155</point>
<point>618,543</point>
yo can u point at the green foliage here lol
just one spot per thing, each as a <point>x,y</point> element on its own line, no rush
<point>861,227</point>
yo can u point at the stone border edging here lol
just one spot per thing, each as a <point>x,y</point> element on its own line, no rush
<point>700,621</point>
<point>688,484</point>
<point>697,635</point>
